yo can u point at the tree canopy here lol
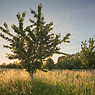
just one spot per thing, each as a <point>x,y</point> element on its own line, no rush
<point>34,43</point>
<point>88,53</point>
<point>49,64</point>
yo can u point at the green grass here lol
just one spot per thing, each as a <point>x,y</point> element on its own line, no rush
<point>55,82</point>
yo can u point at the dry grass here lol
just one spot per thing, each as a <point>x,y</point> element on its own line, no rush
<point>55,82</point>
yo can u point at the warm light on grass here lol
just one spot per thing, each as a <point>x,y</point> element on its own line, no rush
<point>55,82</point>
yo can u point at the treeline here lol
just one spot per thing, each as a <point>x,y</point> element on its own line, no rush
<point>65,62</point>
<point>68,62</point>
<point>11,65</point>
<point>85,59</point>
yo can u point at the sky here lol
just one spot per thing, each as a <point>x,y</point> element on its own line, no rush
<point>76,17</point>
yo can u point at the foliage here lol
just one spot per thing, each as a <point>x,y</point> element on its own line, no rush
<point>34,43</point>
<point>15,65</point>
<point>69,62</point>
<point>77,61</point>
<point>3,65</point>
<point>82,60</point>
<point>88,53</point>
<point>49,64</point>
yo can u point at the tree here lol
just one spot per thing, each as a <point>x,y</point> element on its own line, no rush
<point>34,43</point>
<point>49,64</point>
<point>77,61</point>
<point>60,62</point>
<point>65,62</point>
<point>88,53</point>
<point>3,65</point>
<point>69,62</point>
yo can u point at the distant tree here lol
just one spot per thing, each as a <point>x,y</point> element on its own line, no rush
<point>59,63</point>
<point>77,61</point>
<point>69,62</point>
<point>3,65</point>
<point>34,43</point>
<point>49,64</point>
<point>88,53</point>
<point>64,62</point>
<point>14,65</point>
<point>61,58</point>
<point>10,65</point>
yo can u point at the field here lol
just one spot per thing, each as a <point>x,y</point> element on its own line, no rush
<point>55,82</point>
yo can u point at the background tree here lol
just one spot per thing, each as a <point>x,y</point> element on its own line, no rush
<point>69,62</point>
<point>77,61</point>
<point>34,43</point>
<point>3,65</point>
<point>49,64</point>
<point>88,53</point>
<point>14,65</point>
<point>60,62</point>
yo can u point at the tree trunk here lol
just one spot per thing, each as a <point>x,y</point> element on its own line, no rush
<point>31,75</point>
<point>90,69</point>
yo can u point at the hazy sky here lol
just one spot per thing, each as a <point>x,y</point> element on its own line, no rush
<point>69,16</point>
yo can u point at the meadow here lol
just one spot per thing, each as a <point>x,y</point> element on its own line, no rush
<point>55,82</point>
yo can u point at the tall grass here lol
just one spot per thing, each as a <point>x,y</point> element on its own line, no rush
<point>55,82</point>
